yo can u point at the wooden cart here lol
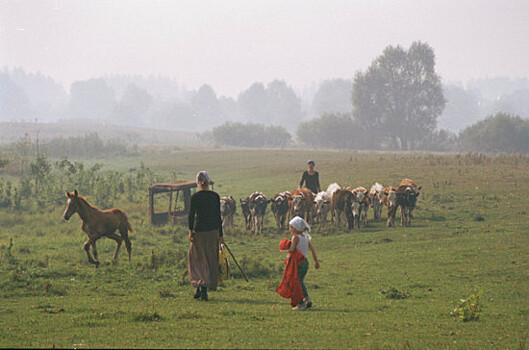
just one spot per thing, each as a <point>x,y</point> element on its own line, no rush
<point>179,201</point>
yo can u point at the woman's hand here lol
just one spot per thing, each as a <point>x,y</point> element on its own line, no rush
<point>191,235</point>
<point>317,265</point>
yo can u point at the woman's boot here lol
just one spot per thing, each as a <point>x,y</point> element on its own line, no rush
<point>204,293</point>
<point>198,293</point>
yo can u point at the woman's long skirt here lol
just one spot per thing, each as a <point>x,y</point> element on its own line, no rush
<point>203,259</point>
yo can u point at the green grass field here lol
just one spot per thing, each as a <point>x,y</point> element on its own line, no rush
<point>470,232</point>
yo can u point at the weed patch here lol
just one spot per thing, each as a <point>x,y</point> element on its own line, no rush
<point>147,317</point>
<point>468,309</point>
<point>394,293</point>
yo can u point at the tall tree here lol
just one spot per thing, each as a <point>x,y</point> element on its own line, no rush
<point>92,100</point>
<point>253,104</point>
<point>284,105</point>
<point>333,96</point>
<point>461,110</point>
<point>516,103</point>
<point>400,95</point>
<point>206,106</point>
<point>14,103</point>
<point>133,105</point>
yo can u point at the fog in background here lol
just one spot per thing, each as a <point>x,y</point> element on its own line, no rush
<point>192,65</point>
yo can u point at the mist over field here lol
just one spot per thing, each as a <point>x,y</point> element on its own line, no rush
<point>316,73</point>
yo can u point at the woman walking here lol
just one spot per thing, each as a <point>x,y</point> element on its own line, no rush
<point>205,235</point>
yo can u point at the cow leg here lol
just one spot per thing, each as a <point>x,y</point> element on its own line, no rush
<point>337,217</point>
<point>278,221</point>
<point>391,216</point>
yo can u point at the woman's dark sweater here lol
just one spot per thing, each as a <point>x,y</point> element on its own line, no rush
<point>312,182</point>
<point>206,206</point>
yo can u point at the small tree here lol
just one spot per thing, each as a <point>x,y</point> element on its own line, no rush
<point>331,131</point>
<point>39,169</point>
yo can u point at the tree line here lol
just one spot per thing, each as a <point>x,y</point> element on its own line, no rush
<point>398,102</point>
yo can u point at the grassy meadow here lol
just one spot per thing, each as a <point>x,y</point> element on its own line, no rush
<point>470,233</point>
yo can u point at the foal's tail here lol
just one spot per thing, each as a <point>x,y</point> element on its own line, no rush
<point>129,228</point>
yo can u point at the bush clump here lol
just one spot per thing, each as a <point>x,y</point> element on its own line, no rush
<point>394,293</point>
<point>469,308</point>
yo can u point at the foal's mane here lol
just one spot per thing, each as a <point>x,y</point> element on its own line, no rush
<point>83,199</point>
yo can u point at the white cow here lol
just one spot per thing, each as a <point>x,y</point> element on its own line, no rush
<point>322,205</point>
<point>330,191</point>
<point>376,194</point>
<point>390,201</point>
<point>227,211</point>
<point>360,206</point>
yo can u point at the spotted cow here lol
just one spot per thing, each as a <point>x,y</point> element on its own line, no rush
<point>257,204</point>
<point>280,208</point>
<point>302,203</point>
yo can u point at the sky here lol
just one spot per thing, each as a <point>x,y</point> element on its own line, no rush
<point>230,44</point>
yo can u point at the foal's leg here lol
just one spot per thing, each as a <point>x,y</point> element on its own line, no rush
<point>118,240</point>
<point>87,245</point>
<point>94,251</point>
<point>125,235</point>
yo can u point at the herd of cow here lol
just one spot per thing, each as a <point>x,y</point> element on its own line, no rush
<point>348,206</point>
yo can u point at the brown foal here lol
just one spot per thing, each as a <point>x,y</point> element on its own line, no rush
<point>99,223</point>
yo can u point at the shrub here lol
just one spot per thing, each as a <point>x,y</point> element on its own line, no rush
<point>394,293</point>
<point>501,133</point>
<point>250,135</point>
<point>469,308</point>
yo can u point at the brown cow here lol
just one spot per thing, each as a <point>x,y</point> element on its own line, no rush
<point>342,201</point>
<point>302,203</point>
<point>407,194</point>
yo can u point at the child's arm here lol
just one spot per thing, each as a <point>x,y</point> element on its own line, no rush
<point>313,251</point>
<point>293,246</point>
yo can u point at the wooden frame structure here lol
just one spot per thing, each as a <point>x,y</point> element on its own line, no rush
<point>173,215</point>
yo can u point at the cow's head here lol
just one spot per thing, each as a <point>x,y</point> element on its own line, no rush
<point>281,200</point>
<point>322,206</point>
<point>260,201</point>
<point>411,196</point>
<point>244,203</point>
<point>297,202</point>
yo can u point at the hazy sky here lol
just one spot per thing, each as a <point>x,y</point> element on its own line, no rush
<point>230,44</point>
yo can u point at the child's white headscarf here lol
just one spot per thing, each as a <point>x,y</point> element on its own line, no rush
<point>300,225</point>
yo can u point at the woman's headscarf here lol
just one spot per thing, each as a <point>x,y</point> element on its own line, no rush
<point>300,225</point>
<point>203,176</point>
